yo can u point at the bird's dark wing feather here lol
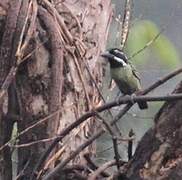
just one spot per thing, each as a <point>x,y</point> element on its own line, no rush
<point>135,72</point>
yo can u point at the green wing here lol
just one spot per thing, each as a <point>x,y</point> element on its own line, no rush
<point>134,71</point>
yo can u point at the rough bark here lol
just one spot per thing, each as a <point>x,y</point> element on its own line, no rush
<point>6,123</point>
<point>66,41</point>
<point>88,24</point>
<point>64,45</point>
<point>159,153</point>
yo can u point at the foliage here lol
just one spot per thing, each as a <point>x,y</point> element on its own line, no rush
<point>161,49</point>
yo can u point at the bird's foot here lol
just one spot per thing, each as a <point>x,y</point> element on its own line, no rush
<point>118,95</point>
<point>132,98</point>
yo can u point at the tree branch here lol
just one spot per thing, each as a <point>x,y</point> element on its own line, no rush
<point>102,168</point>
<point>59,167</point>
<point>91,113</point>
<point>114,139</point>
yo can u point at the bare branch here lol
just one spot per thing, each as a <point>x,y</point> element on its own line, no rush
<point>130,144</point>
<point>92,165</point>
<point>29,128</point>
<point>99,109</point>
<point>19,176</point>
<point>161,81</point>
<point>30,31</point>
<point>20,42</point>
<point>33,143</point>
<point>102,168</point>
<point>148,44</point>
<point>114,139</point>
<point>94,137</point>
<point>126,22</point>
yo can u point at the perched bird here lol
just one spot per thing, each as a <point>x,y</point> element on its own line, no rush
<point>123,73</point>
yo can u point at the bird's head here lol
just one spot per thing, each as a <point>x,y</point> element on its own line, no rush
<point>116,57</point>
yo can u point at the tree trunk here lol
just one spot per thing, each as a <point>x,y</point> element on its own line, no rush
<point>159,153</point>
<point>88,24</point>
<point>6,60</point>
<point>56,82</point>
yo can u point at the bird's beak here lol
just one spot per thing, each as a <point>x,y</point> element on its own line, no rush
<point>107,55</point>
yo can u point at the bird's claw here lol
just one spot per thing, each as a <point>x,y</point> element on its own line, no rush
<point>119,92</point>
<point>132,98</point>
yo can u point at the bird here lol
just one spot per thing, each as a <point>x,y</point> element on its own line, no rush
<point>124,73</point>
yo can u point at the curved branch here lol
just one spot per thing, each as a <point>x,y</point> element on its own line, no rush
<point>60,166</point>
<point>91,113</point>
<point>101,169</point>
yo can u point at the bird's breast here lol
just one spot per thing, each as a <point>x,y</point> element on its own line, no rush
<point>121,73</point>
<point>125,79</point>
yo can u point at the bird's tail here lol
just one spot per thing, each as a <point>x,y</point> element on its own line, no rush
<point>143,105</point>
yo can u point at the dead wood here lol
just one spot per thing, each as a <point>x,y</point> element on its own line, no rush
<point>6,124</point>
<point>49,77</point>
<point>43,71</point>
<point>158,155</point>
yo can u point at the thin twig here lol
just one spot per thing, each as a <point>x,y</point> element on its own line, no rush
<point>119,139</point>
<point>92,165</point>
<point>82,79</point>
<point>33,51</point>
<point>33,143</point>
<point>148,44</point>
<point>114,139</point>
<point>9,78</point>
<point>161,81</point>
<point>91,113</point>
<point>21,173</point>
<point>52,10</point>
<point>18,52</point>
<point>60,166</point>
<point>76,19</point>
<point>30,30</point>
<point>102,97</point>
<point>116,152</point>
<point>126,22</point>
<point>51,160</point>
<point>130,144</point>
<point>102,168</point>
<point>29,128</point>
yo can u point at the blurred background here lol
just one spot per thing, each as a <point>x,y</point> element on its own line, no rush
<point>160,58</point>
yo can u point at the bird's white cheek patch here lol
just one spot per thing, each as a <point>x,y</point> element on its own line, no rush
<point>120,61</point>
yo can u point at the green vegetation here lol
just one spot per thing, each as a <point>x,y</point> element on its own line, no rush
<point>162,48</point>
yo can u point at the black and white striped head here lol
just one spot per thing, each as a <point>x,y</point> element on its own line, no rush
<point>116,57</point>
